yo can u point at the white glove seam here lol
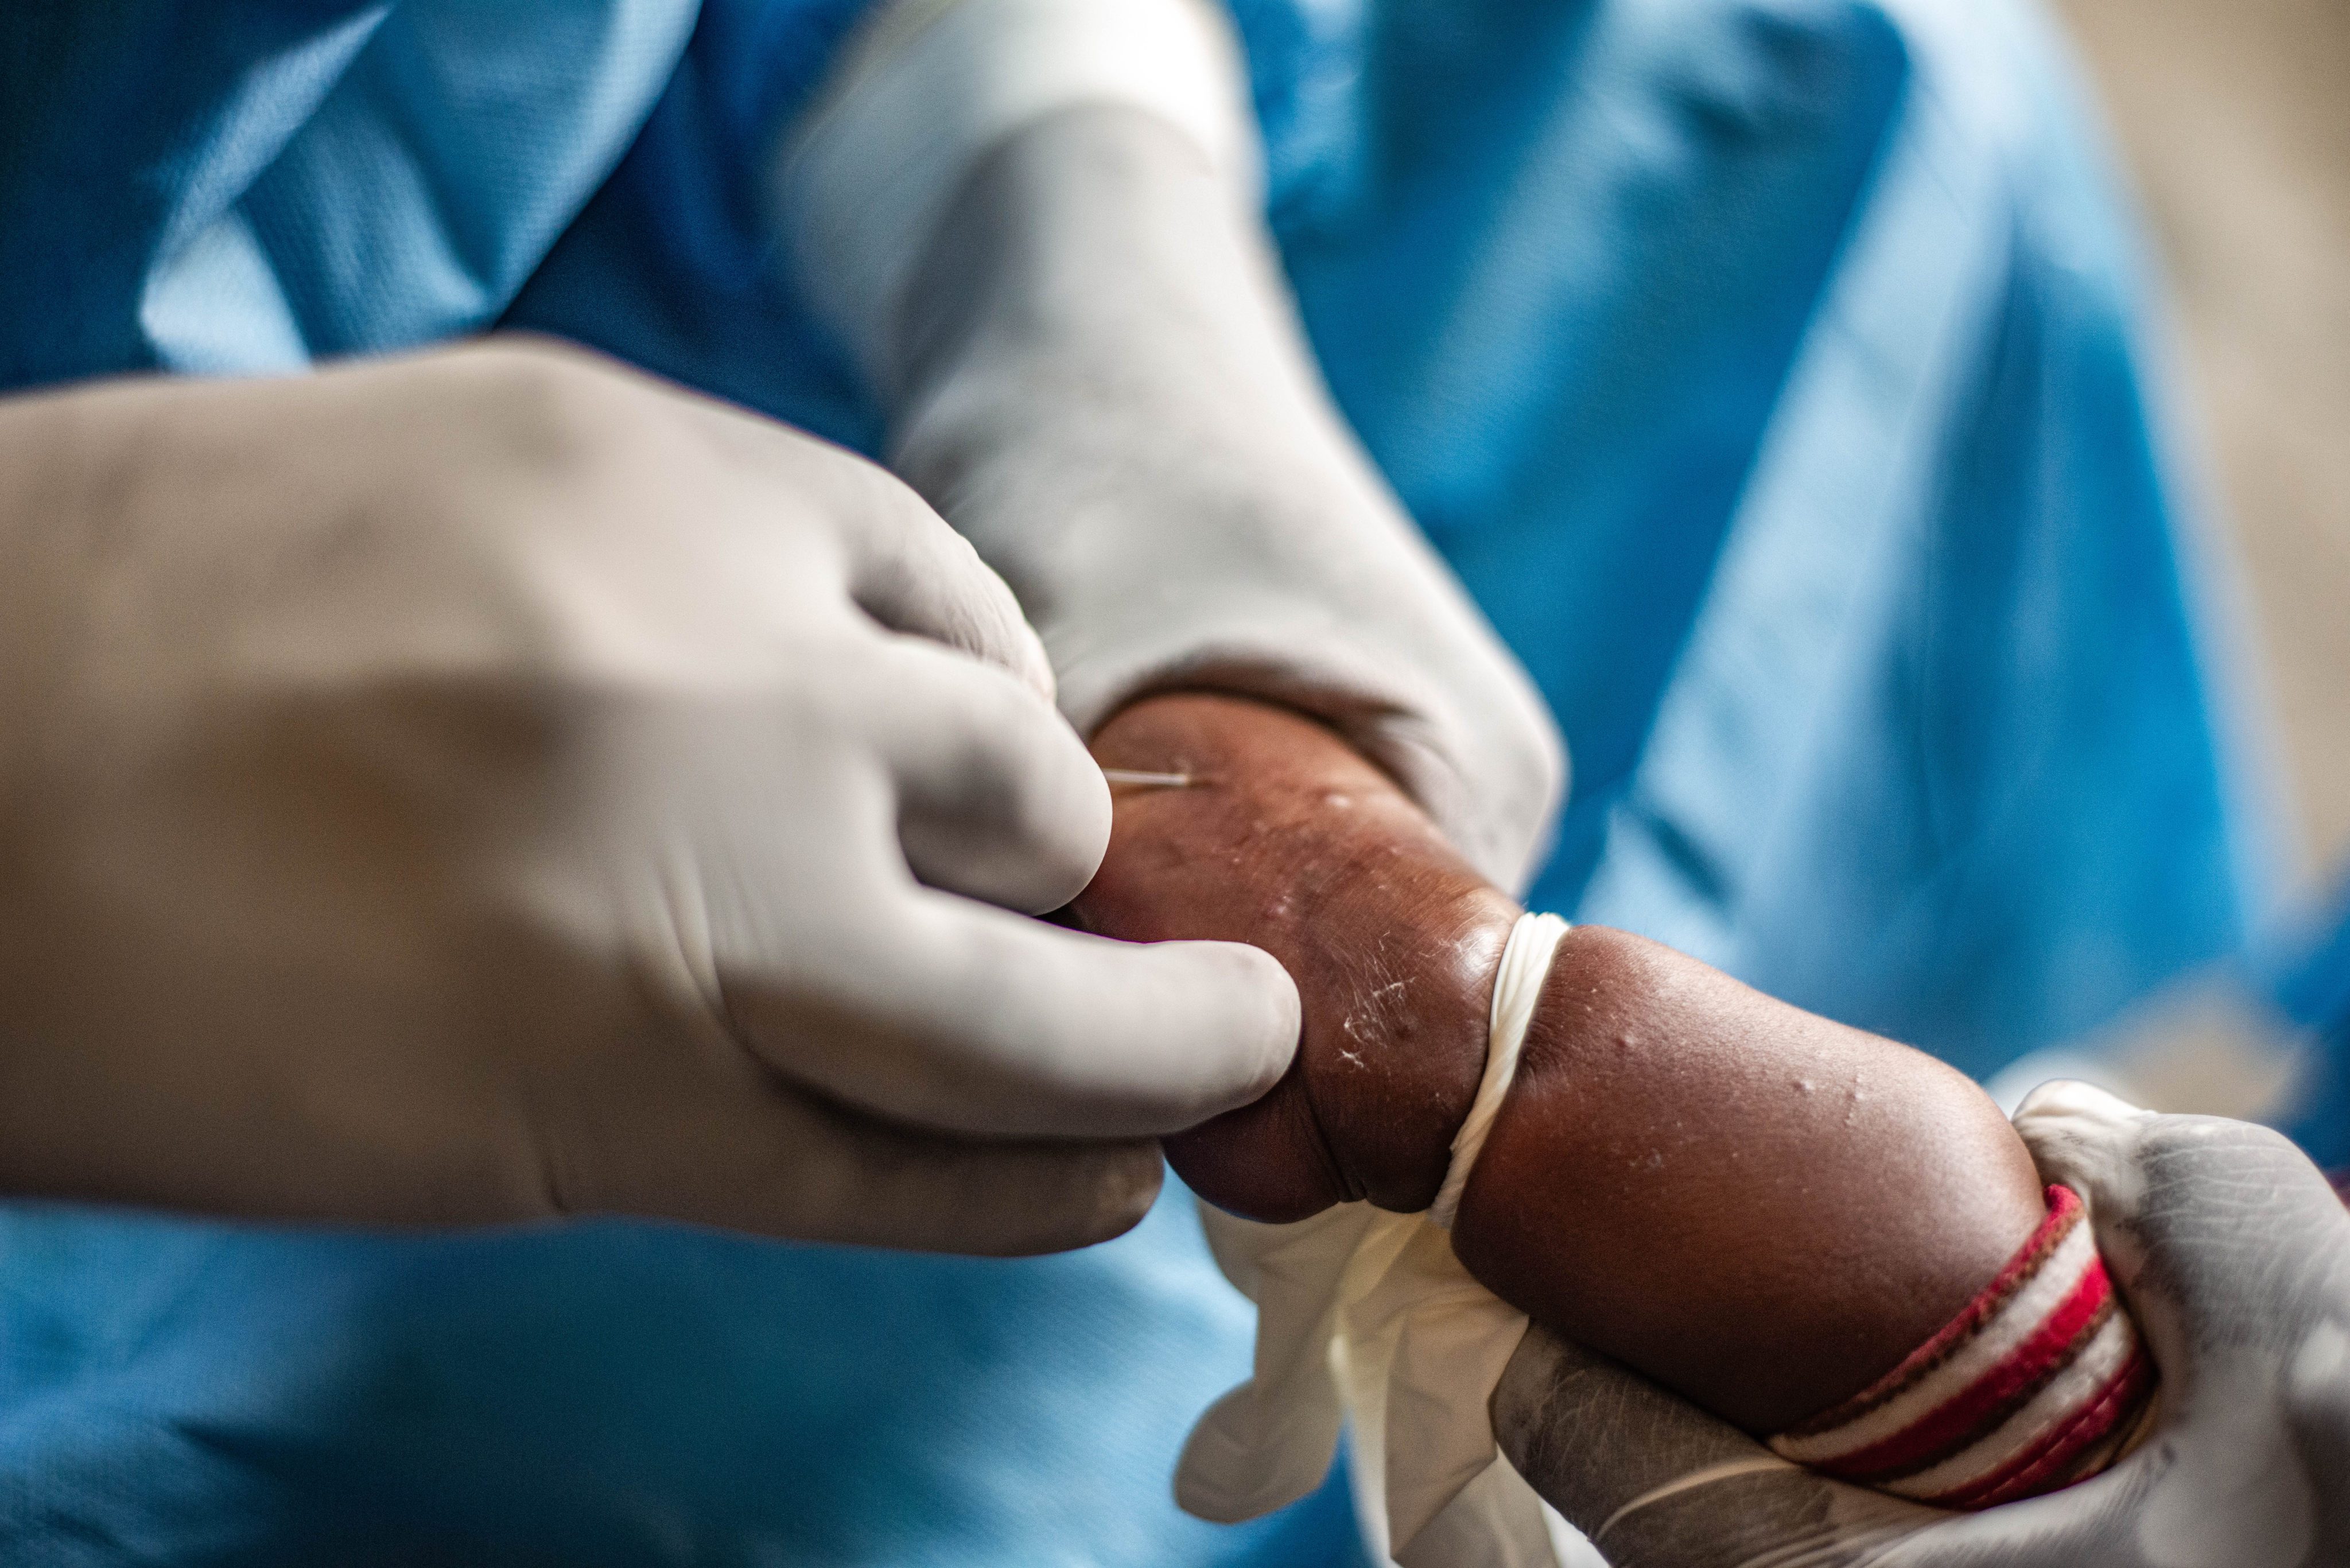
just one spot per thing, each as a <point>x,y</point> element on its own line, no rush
<point>1727,1470</point>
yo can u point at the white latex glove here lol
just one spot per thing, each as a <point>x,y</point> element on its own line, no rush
<point>1096,374</point>
<point>1365,1318</point>
<point>2233,1253</point>
<point>494,784</point>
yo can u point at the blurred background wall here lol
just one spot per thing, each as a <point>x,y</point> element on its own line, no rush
<point>2233,119</point>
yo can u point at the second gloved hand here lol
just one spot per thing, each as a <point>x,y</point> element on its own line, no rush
<point>1034,222</point>
<point>2234,1255</point>
<point>493,785</point>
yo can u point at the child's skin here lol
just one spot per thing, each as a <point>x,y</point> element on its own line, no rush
<point>1760,1209</point>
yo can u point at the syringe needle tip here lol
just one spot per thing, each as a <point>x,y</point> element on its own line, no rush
<point>1147,780</point>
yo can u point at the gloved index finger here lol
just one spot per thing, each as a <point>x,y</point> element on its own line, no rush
<point>1558,1407</point>
<point>996,796</point>
<point>1655,1482</point>
<point>968,1019</point>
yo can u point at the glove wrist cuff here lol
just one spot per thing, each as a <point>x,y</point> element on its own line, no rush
<point>860,183</point>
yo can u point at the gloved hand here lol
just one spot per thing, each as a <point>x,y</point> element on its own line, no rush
<point>2234,1255</point>
<point>493,785</point>
<point>1096,373</point>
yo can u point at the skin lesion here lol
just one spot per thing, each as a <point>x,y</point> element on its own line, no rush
<point>1390,938</point>
<point>1662,1184</point>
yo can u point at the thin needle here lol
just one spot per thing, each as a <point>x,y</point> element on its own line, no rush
<point>1149,780</point>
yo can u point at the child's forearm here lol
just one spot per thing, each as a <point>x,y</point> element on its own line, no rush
<point>1760,1207</point>
<point>1289,840</point>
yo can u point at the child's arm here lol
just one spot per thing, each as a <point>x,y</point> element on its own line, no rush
<point>1758,1206</point>
<point>1289,840</point>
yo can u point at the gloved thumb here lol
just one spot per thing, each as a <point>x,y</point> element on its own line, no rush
<point>2216,1229</point>
<point>2088,1139</point>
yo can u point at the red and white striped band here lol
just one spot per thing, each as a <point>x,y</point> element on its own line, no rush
<point>2040,1382</point>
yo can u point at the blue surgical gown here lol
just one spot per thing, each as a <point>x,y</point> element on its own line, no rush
<point>1777,375</point>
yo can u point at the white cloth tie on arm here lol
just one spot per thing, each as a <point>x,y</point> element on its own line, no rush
<point>931,85</point>
<point>1367,1315</point>
<point>1517,990</point>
